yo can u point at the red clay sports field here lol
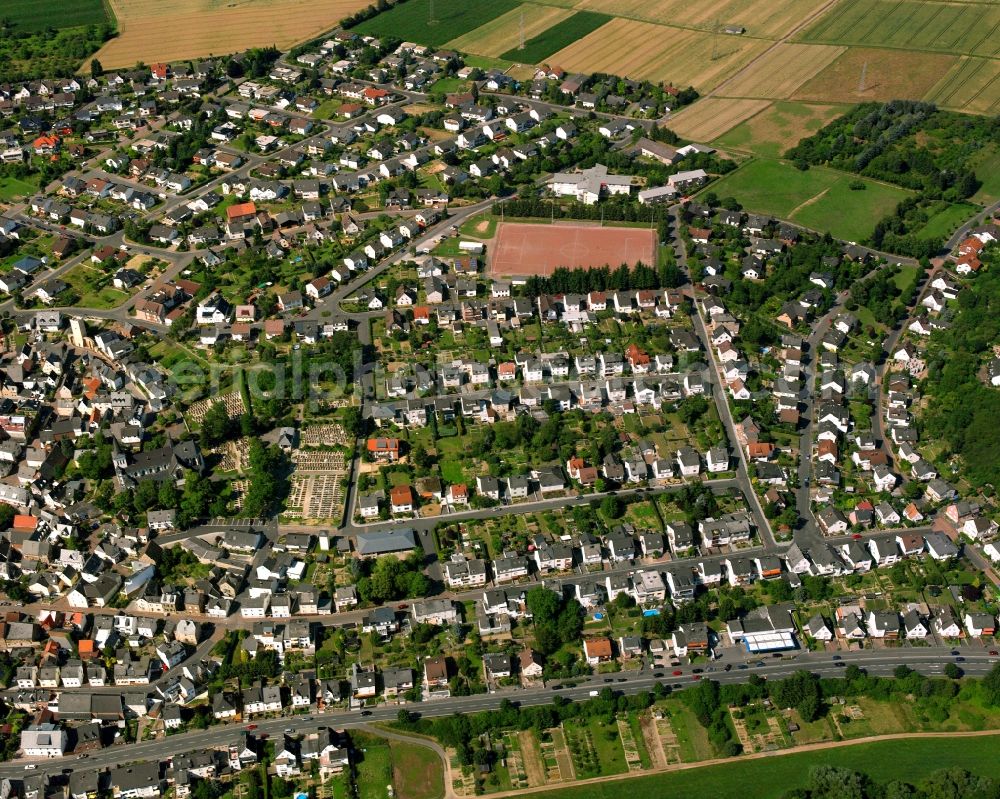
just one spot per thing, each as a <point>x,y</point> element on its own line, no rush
<point>526,249</point>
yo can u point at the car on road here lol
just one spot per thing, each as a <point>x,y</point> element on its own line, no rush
<point>251,727</point>
<point>840,664</point>
<point>30,767</point>
<point>954,652</point>
<point>742,666</point>
<point>994,653</point>
<point>697,671</point>
<point>366,712</point>
<point>677,672</point>
<point>696,677</point>
<point>960,659</point>
<point>404,606</point>
<point>556,687</point>
<point>836,657</point>
<point>608,679</point>
<point>857,536</point>
<point>678,685</point>
<point>622,679</point>
<point>84,756</point>
<point>759,664</point>
<point>729,667</point>
<point>657,674</point>
<point>289,729</point>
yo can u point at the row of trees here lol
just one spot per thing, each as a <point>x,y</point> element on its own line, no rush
<point>834,782</point>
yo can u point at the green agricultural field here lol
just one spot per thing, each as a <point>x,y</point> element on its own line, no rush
<point>946,220</point>
<point>772,131</point>
<point>774,776</point>
<point>411,21</point>
<point>374,769</point>
<point>36,15</point>
<point>11,188</point>
<point>968,28</point>
<point>417,771</point>
<point>818,198</point>
<point>560,35</point>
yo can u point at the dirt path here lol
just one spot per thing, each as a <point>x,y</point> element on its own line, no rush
<point>808,202</point>
<point>778,753</point>
<point>531,758</point>
<point>653,743</point>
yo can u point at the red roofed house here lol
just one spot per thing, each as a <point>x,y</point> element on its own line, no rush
<point>597,650</point>
<point>637,358</point>
<point>573,467</point>
<point>760,450</point>
<point>827,451</point>
<point>241,212</point>
<point>25,522</point>
<point>46,145</point>
<point>274,328</point>
<point>458,494</point>
<point>970,246</point>
<point>401,499</point>
<point>384,449</point>
<point>422,314</point>
<point>968,263</point>
<point>374,96</point>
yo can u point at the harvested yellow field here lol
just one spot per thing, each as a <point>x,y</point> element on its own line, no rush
<point>708,119</point>
<point>153,30</point>
<point>888,74</point>
<point>761,18</point>
<point>645,51</point>
<point>972,85</point>
<point>781,70</point>
<point>498,36</point>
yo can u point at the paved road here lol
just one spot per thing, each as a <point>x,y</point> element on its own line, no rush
<point>719,393</point>
<point>928,660</point>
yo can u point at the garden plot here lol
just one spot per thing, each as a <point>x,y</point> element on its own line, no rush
<point>757,729</point>
<point>556,757</point>
<point>531,758</point>
<point>632,758</point>
<point>667,737</point>
<point>515,763</point>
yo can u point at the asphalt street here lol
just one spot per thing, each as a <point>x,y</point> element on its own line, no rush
<point>927,660</point>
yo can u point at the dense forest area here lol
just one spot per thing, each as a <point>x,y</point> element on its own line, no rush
<point>962,409</point>
<point>48,53</point>
<point>910,144</point>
